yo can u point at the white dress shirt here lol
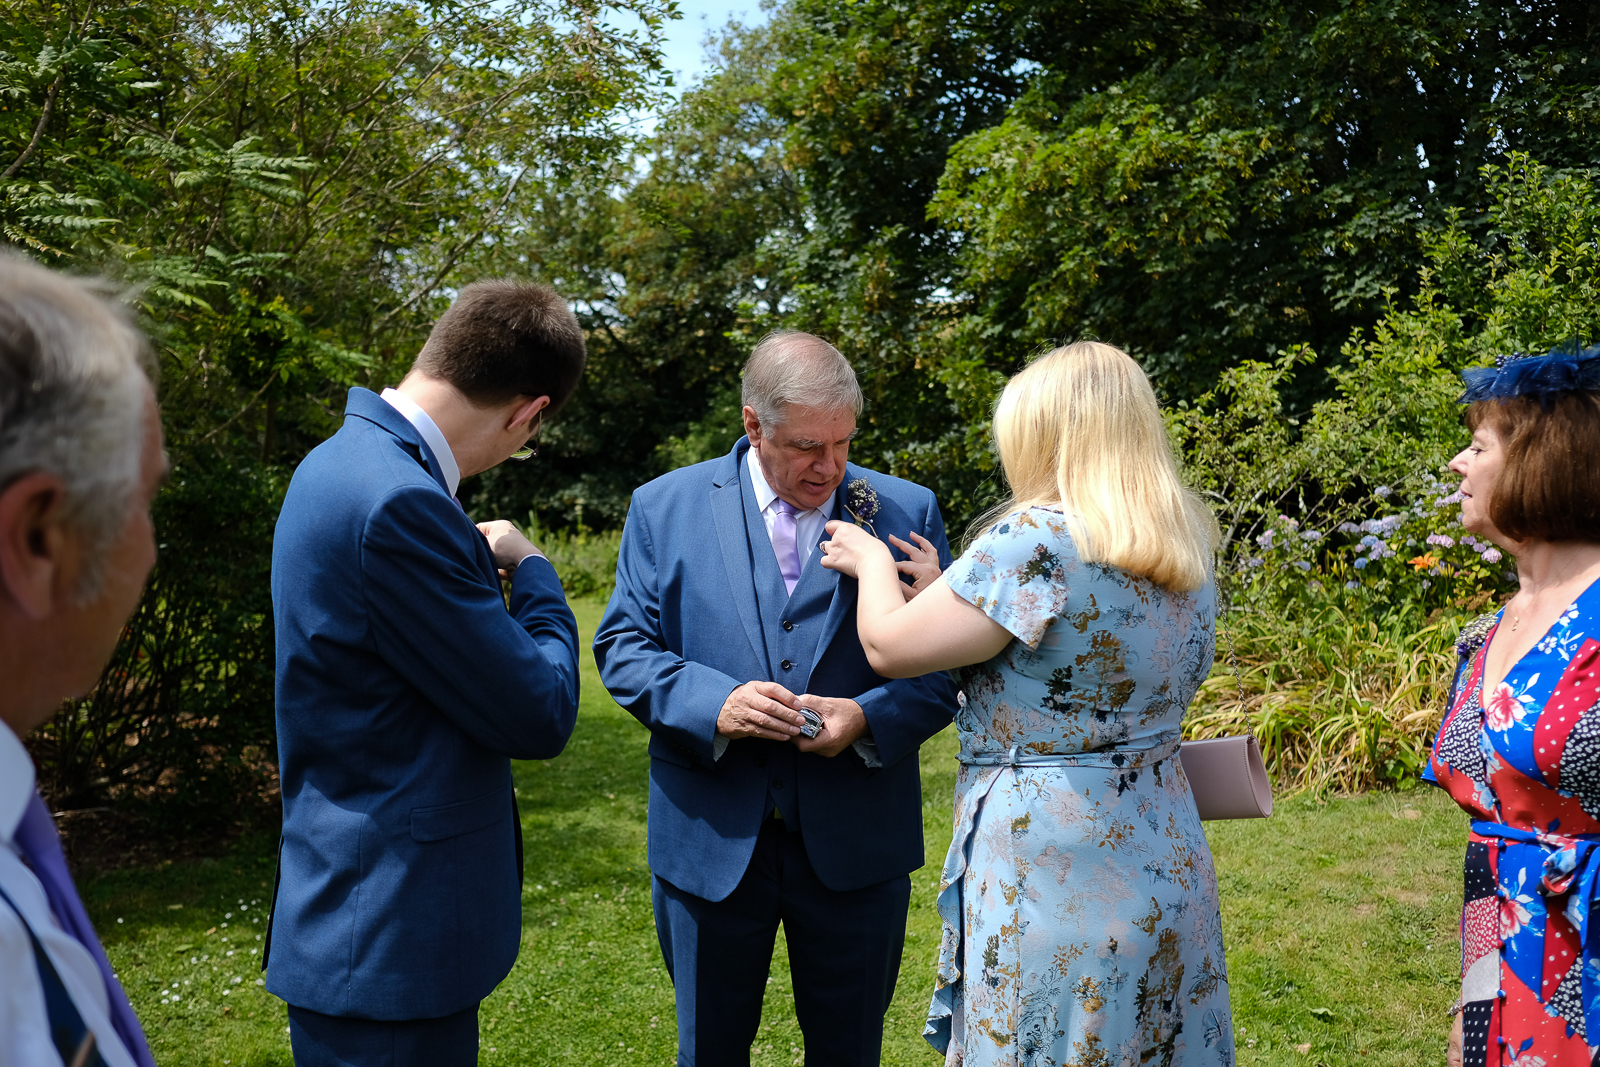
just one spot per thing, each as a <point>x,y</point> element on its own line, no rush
<point>24,1024</point>
<point>807,524</point>
<point>430,433</point>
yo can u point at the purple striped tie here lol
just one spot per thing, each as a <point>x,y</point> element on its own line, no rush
<point>785,542</point>
<point>41,846</point>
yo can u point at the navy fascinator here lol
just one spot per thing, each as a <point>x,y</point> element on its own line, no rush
<point>1540,376</point>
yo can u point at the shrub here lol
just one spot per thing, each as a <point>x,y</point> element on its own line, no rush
<point>1345,570</point>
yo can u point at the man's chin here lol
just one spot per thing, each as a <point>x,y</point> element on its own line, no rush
<point>816,498</point>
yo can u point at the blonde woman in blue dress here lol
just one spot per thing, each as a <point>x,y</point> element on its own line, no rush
<point>1079,899</point>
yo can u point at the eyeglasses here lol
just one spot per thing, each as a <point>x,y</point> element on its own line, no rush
<point>531,449</point>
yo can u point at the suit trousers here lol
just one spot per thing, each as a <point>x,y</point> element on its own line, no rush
<point>319,1040</point>
<point>844,957</point>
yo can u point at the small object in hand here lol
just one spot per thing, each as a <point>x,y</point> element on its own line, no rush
<point>813,725</point>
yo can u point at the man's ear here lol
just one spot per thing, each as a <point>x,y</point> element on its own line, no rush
<point>752,425</point>
<point>33,545</point>
<point>522,415</point>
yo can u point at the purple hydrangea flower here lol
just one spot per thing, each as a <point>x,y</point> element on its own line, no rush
<point>1311,535</point>
<point>1441,539</point>
<point>1362,562</point>
<point>1383,492</point>
<point>1302,565</point>
<point>1492,556</point>
<point>1265,540</point>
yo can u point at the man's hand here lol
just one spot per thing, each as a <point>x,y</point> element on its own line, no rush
<point>923,566</point>
<point>760,709</point>
<point>507,545</point>
<point>842,722</point>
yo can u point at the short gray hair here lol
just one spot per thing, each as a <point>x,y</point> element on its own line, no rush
<point>73,373</point>
<point>789,367</point>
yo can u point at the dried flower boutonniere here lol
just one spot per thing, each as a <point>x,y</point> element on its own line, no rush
<point>861,501</point>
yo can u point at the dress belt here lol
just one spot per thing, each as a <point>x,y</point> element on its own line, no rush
<point>1117,758</point>
<point>1570,869</point>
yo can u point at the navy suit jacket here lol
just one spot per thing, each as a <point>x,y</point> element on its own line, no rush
<point>699,609</point>
<point>405,688</point>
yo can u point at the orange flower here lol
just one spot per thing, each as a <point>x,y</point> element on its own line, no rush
<point>1422,563</point>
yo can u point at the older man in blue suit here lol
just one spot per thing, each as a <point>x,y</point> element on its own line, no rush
<point>724,631</point>
<point>406,686</point>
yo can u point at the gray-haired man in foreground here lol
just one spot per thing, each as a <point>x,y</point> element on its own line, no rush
<point>80,460</point>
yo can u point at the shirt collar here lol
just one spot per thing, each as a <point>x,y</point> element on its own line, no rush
<point>430,433</point>
<point>16,782</point>
<point>764,494</point>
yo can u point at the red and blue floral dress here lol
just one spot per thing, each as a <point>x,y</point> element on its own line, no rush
<point>1524,761</point>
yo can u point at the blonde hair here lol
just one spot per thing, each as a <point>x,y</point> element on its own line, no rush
<point>1080,427</point>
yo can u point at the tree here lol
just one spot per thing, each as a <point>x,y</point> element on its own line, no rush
<point>292,190</point>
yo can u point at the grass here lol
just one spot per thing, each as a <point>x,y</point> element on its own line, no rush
<point>1340,918</point>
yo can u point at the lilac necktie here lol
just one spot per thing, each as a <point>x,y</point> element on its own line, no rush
<point>40,845</point>
<point>785,542</point>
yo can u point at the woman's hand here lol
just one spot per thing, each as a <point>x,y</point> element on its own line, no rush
<point>1453,1052</point>
<point>923,566</point>
<point>849,546</point>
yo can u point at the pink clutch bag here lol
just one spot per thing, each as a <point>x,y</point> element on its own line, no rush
<point>1228,777</point>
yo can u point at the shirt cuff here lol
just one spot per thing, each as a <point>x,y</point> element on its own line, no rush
<point>867,749</point>
<point>719,745</point>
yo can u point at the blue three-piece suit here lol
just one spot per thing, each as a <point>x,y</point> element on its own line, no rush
<point>404,689</point>
<point>699,609</point>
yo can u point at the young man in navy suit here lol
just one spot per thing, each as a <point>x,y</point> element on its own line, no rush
<point>725,628</point>
<point>405,687</point>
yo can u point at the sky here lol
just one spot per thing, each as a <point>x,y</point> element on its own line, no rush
<point>685,50</point>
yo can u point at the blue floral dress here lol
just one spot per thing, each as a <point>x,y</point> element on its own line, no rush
<point>1079,899</point>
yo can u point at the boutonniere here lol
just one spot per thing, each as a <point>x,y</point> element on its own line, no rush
<point>861,501</point>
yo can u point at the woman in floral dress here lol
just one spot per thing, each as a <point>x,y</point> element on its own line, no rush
<point>1519,747</point>
<point>1079,900</point>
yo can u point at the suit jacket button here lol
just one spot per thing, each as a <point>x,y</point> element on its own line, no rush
<point>788,624</point>
<point>777,783</point>
<point>787,664</point>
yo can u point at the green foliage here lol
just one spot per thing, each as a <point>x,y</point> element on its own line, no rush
<point>585,561</point>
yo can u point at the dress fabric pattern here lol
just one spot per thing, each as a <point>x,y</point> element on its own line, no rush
<point>1078,899</point>
<point>1524,761</point>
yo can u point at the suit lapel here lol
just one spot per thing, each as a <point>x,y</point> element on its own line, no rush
<point>733,537</point>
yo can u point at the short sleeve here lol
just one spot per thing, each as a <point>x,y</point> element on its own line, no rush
<point>1016,571</point>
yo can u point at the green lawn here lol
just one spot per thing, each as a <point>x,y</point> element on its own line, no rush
<point>1340,920</point>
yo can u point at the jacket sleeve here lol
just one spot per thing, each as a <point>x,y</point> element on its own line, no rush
<point>903,713</point>
<point>676,699</point>
<point>508,680</point>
